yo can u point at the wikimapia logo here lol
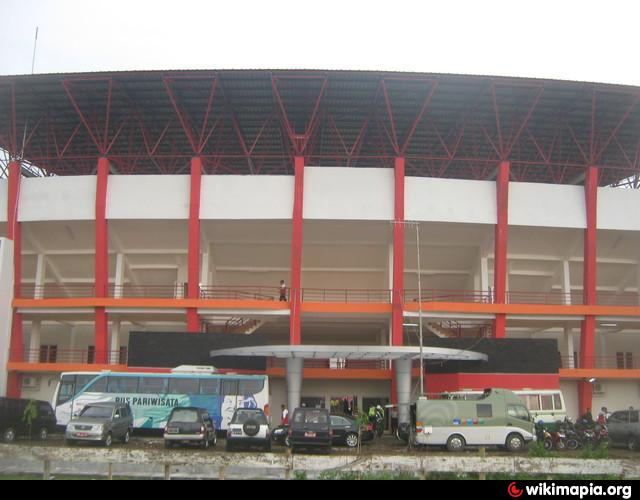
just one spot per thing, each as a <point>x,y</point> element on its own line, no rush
<point>545,489</point>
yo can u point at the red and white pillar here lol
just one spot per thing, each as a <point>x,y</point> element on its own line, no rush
<point>193,273</point>
<point>501,239</point>
<point>101,261</point>
<point>14,232</point>
<point>295,294</point>
<point>397,337</point>
<point>588,326</point>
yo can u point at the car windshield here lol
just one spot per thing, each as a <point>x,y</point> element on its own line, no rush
<point>311,417</point>
<point>97,412</point>
<point>242,416</point>
<point>186,416</point>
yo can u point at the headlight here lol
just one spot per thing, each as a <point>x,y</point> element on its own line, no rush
<point>98,427</point>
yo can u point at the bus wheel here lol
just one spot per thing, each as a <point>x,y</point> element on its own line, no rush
<point>456,443</point>
<point>9,435</point>
<point>515,442</point>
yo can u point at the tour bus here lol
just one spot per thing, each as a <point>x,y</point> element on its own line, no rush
<point>152,396</point>
<point>497,418</point>
<point>543,405</point>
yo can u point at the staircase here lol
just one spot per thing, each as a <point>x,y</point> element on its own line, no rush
<point>233,324</point>
<point>456,329</point>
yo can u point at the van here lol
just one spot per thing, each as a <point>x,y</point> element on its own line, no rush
<point>310,428</point>
<point>497,417</point>
<point>12,423</point>
<point>624,428</point>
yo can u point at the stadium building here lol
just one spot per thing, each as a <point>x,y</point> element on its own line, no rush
<point>491,211</point>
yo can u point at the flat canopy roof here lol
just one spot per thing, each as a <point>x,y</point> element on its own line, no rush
<point>256,121</point>
<point>352,352</point>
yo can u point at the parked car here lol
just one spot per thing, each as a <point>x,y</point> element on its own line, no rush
<point>624,428</point>
<point>344,432</point>
<point>101,422</point>
<point>310,428</point>
<point>190,425</point>
<point>248,427</point>
<point>13,424</point>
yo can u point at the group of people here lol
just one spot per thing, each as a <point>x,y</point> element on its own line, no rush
<point>603,416</point>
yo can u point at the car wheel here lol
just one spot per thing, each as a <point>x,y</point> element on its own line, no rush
<point>632,444</point>
<point>205,444</point>
<point>515,442</point>
<point>9,435</point>
<point>456,443</point>
<point>126,437</point>
<point>108,440</point>
<point>168,445</point>
<point>351,440</point>
<point>215,440</point>
<point>287,442</point>
<point>43,434</point>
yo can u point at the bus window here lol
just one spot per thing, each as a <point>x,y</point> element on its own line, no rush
<point>230,387</point>
<point>248,387</point>
<point>82,380</point>
<point>183,386</point>
<point>533,403</point>
<point>66,390</point>
<point>153,385</point>
<point>557,402</point>
<point>99,385</point>
<point>210,386</point>
<point>546,401</point>
<point>127,385</point>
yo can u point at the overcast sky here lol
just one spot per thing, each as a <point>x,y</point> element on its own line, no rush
<point>564,39</point>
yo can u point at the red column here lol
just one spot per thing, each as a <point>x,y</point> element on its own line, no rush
<point>14,232</point>
<point>588,327</point>
<point>501,238</point>
<point>101,260</point>
<point>398,255</point>
<point>295,295</point>
<point>193,273</point>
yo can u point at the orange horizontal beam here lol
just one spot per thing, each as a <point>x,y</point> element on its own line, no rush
<point>598,373</point>
<point>62,367</point>
<point>150,303</point>
<point>538,309</point>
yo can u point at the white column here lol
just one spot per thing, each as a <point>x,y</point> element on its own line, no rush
<point>204,269</point>
<point>6,316</point>
<point>41,266</point>
<point>119,280</point>
<point>35,341</point>
<point>568,346</point>
<point>638,281</point>
<point>403,387</point>
<point>390,271</point>
<point>484,276</point>
<point>182,279</point>
<point>294,382</point>
<point>114,345</point>
<point>566,282</point>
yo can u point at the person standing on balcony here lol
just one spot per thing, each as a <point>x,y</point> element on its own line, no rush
<point>283,291</point>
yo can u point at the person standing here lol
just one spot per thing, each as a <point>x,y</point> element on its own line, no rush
<point>283,291</point>
<point>285,415</point>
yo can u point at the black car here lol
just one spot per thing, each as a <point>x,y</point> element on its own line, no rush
<point>13,424</point>
<point>190,425</point>
<point>310,428</point>
<point>343,427</point>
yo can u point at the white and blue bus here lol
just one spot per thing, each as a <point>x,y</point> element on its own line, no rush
<point>152,396</point>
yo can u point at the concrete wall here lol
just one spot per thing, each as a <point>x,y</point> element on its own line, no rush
<point>6,295</point>
<point>616,395</point>
<point>348,193</point>
<point>57,198</point>
<point>234,197</point>
<point>450,200</point>
<point>569,390</point>
<point>546,205</point>
<point>330,193</point>
<point>148,197</point>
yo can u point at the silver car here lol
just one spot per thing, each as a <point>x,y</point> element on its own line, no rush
<point>101,422</point>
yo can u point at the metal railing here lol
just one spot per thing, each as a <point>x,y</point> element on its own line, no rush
<point>345,295</point>
<point>77,356</point>
<point>242,292</point>
<point>440,295</point>
<point>55,291</point>
<point>129,291</point>
<point>625,362</point>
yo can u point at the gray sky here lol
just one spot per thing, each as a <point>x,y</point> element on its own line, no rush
<point>564,39</point>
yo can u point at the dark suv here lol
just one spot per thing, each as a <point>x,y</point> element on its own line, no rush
<point>310,428</point>
<point>190,425</point>
<point>624,428</point>
<point>13,424</point>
